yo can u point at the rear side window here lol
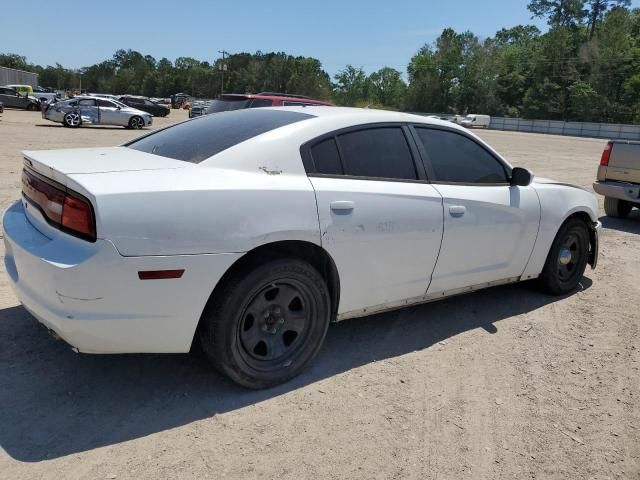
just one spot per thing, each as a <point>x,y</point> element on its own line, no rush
<point>377,152</point>
<point>105,103</point>
<point>196,140</point>
<point>458,159</point>
<point>326,157</point>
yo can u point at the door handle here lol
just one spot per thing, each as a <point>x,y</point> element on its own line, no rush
<point>342,206</point>
<point>457,210</point>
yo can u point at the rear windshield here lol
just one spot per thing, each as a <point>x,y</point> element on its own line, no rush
<point>198,139</point>
<point>226,104</point>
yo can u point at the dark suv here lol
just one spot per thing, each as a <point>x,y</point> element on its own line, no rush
<point>146,105</point>
<point>234,101</point>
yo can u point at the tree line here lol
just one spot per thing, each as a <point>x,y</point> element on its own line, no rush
<point>585,67</point>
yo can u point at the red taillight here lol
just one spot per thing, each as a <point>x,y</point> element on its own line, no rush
<point>61,207</point>
<point>606,154</point>
<point>78,216</point>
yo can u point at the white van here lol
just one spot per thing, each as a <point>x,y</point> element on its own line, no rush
<point>476,121</point>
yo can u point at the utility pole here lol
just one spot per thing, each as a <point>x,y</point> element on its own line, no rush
<point>223,68</point>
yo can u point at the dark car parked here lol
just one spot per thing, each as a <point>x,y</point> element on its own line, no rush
<point>146,105</point>
<point>14,99</point>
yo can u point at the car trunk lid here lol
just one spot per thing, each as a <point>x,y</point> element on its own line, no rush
<point>59,164</point>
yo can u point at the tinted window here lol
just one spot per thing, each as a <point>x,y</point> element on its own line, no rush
<point>326,157</point>
<point>377,152</point>
<point>199,139</point>
<point>87,102</point>
<point>105,103</point>
<point>456,158</point>
<point>260,102</point>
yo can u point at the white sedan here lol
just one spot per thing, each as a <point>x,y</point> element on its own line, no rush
<point>250,231</point>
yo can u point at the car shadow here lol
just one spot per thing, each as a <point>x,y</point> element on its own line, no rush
<point>56,403</point>
<point>630,224</point>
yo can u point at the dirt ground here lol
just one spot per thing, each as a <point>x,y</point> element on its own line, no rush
<point>503,383</point>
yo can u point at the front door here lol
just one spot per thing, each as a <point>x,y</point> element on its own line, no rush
<point>379,220</point>
<point>110,113</point>
<point>490,227</point>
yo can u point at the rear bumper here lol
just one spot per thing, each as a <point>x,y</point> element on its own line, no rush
<point>91,296</point>
<point>620,190</point>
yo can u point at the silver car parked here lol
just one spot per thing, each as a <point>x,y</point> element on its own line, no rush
<point>95,111</point>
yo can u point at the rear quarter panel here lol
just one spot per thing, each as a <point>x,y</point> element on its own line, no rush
<point>200,210</point>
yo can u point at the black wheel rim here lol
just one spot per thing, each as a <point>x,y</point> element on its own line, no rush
<point>274,324</point>
<point>569,258</point>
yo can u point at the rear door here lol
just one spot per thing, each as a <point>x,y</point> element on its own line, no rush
<point>490,226</point>
<point>89,111</point>
<point>380,219</point>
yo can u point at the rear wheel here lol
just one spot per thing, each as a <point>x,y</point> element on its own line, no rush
<point>136,123</point>
<point>567,258</point>
<point>72,119</point>
<point>264,327</point>
<point>615,207</point>
<point>32,107</point>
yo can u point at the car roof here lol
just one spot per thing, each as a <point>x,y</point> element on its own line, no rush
<point>358,116</point>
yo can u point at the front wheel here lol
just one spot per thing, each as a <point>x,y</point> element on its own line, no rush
<point>615,207</point>
<point>264,327</point>
<point>567,258</point>
<point>136,123</point>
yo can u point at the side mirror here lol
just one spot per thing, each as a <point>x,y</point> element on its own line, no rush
<point>521,177</point>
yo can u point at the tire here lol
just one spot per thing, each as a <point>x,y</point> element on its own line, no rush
<point>567,258</point>
<point>136,122</point>
<point>72,119</point>
<point>266,326</point>
<point>32,107</point>
<point>615,207</point>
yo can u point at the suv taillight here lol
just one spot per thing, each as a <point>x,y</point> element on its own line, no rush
<point>606,154</point>
<point>62,208</point>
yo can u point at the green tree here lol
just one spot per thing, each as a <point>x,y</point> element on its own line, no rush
<point>564,13</point>
<point>387,87</point>
<point>351,86</point>
<point>597,10</point>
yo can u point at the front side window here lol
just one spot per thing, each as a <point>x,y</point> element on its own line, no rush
<point>87,102</point>
<point>377,152</point>
<point>196,140</point>
<point>458,159</point>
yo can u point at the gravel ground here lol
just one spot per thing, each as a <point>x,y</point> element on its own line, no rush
<point>502,383</point>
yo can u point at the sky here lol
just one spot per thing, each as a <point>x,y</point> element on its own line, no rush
<point>369,34</point>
